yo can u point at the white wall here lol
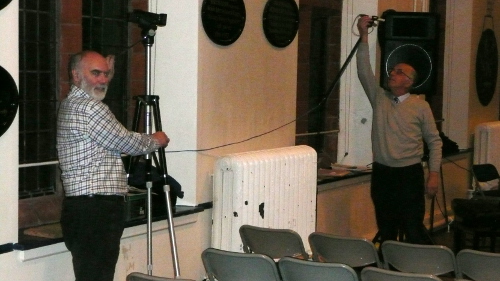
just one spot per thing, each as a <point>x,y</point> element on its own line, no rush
<point>175,79</point>
<point>355,116</point>
<point>9,59</point>
<point>457,69</point>
<point>212,95</point>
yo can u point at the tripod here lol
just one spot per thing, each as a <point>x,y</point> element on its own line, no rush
<point>149,104</point>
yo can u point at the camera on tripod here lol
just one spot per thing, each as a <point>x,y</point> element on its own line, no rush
<point>147,20</point>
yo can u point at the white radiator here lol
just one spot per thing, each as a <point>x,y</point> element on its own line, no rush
<point>487,147</point>
<point>273,188</point>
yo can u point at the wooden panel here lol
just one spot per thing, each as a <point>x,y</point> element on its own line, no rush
<point>403,5</point>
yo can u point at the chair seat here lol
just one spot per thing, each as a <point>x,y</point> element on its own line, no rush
<point>293,269</point>
<point>379,274</point>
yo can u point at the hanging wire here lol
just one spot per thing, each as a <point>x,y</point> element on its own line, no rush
<point>316,107</point>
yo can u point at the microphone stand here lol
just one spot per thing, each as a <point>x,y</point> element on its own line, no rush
<point>343,68</point>
<point>152,109</point>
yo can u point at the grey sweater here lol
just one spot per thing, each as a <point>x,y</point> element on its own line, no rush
<point>398,130</point>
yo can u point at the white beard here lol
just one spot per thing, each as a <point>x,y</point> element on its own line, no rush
<point>97,93</point>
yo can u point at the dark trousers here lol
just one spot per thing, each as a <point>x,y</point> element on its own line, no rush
<point>398,195</point>
<point>92,228</point>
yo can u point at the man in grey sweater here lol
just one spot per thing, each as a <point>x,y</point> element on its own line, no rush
<point>401,124</point>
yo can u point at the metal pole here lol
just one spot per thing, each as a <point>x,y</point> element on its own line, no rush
<point>173,243</point>
<point>166,188</point>
<point>153,113</point>
<point>148,42</point>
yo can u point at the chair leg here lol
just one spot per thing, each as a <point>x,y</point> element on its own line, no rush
<point>458,237</point>
<point>493,240</point>
<point>475,243</point>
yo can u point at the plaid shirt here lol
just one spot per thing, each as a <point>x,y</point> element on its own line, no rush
<point>90,141</point>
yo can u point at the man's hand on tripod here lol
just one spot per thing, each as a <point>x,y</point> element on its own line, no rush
<point>161,138</point>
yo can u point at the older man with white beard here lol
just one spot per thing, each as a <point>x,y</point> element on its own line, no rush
<point>89,142</point>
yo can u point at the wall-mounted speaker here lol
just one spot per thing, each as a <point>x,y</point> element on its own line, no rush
<point>412,38</point>
<point>9,100</point>
<point>4,3</point>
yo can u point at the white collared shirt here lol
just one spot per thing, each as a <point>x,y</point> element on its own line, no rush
<point>401,98</point>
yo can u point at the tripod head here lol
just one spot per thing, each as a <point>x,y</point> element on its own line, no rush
<point>149,22</point>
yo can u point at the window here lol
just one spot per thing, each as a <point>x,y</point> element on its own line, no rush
<point>318,63</point>
<point>105,29</point>
<point>38,98</point>
<point>46,40</point>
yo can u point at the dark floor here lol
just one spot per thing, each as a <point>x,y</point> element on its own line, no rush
<point>445,236</point>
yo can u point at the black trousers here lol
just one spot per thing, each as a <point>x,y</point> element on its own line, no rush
<point>92,228</point>
<point>398,195</point>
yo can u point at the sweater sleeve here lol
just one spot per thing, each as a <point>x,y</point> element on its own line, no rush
<point>433,140</point>
<point>365,73</point>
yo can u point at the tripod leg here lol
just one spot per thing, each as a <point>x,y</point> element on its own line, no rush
<point>166,189</point>
<point>132,163</point>
<point>149,187</point>
<point>156,112</point>
<point>137,114</point>
<point>162,166</point>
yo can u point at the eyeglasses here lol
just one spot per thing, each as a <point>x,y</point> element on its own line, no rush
<point>399,71</point>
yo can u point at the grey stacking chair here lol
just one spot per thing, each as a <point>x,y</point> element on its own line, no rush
<point>223,265</point>
<point>293,269</point>
<point>424,259</point>
<point>380,274</point>
<point>275,243</point>
<point>137,276</point>
<point>479,265</point>
<point>354,251</point>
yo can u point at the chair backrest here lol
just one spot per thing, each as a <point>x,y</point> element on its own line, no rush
<point>380,274</point>
<point>293,269</point>
<point>478,265</point>
<point>276,243</point>
<point>353,251</point>
<point>415,258</point>
<point>485,172</point>
<point>137,276</point>
<point>223,265</point>
<point>485,176</point>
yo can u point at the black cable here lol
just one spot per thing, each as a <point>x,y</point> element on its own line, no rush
<point>329,92</point>
<point>242,141</point>
<point>253,137</point>
<point>453,162</point>
<point>435,197</point>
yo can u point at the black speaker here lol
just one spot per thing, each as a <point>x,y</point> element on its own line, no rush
<point>412,38</point>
